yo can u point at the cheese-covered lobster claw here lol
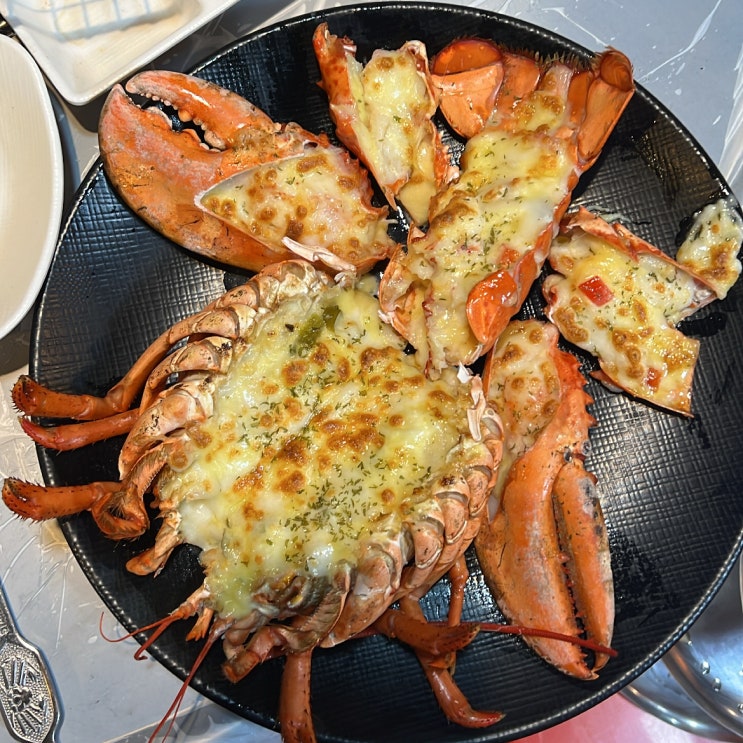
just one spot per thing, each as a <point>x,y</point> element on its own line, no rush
<point>225,185</point>
<point>545,553</point>
<point>538,126</point>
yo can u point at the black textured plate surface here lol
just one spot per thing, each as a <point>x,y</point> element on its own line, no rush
<point>671,486</point>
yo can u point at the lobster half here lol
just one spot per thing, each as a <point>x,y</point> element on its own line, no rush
<point>452,290</point>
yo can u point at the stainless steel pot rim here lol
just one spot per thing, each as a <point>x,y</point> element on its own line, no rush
<point>698,684</point>
<point>658,693</point>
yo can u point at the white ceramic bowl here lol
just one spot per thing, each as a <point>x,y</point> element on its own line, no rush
<point>31,183</point>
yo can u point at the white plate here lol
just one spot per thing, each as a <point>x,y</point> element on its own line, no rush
<point>85,46</point>
<point>31,183</point>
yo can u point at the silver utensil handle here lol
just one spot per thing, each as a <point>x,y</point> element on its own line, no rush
<point>28,699</point>
<point>5,28</point>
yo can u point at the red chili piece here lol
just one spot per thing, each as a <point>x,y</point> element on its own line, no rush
<point>596,290</point>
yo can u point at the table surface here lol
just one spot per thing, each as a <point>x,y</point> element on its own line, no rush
<point>688,53</point>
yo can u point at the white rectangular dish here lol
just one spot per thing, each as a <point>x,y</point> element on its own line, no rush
<point>85,46</point>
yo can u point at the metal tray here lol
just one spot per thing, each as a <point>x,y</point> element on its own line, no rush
<point>708,660</point>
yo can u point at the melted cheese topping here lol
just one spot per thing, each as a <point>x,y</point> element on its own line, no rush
<point>523,386</point>
<point>632,333</point>
<point>488,220</point>
<point>325,438</point>
<point>711,248</point>
<point>390,118</point>
<point>316,199</point>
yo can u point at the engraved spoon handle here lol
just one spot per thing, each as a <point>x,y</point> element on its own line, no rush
<point>29,704</point>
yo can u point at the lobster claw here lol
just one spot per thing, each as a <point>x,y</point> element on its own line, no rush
<point>158,171</point>
<point>545,553</point>
<point>162,173</point>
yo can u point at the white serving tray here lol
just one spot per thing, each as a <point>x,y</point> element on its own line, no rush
<point>85,46</point>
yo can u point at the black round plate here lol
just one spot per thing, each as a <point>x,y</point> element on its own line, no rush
<point>671,486</point>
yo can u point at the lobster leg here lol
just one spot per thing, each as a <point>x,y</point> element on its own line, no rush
<point>32,398</point>
<point>229,322</point>
<point>117,511</point>
<point>438,668</point>
<point>117,507</point>
<point>453,702</point>
<point>153,559</point>
<point>433,639</point>
<point>39,503</point>
<point>77,435</point>
<point>295,713</point>
<point>458,575</point>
